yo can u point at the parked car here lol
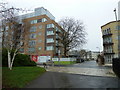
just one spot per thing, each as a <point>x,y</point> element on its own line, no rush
<point>50,63</point>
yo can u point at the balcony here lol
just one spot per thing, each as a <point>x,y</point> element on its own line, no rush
<point>106,35</point>
<point>58,37</point>
<point>108,53</point>
<point>57,31</point>
<point>107,43</point>
<point>58,45</point>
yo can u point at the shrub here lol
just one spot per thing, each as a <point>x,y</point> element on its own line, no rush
<point>23,60</point>
<point>20,59</point>
<point>116,66</point>
<point>4,57</point>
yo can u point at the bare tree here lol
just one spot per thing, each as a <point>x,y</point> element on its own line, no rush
<point>74,35</point>
<point>83,54</point>
<point>13,31</point>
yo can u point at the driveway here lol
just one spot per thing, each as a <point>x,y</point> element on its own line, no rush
<point>76,76</point>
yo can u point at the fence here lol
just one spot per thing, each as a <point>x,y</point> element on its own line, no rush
<point>64,59</point>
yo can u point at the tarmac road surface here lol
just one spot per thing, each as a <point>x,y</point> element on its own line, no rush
<point>60,77</point>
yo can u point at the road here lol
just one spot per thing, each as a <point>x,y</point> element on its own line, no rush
<point>62,77</point>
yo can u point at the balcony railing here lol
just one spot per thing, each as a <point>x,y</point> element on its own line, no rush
<point>107,43</point>
<point>58,37</point>
<point>106,35</point>
<point>108,53</point>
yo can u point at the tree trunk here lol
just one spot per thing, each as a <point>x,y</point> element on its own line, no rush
<point>9,59</point>
<point>65,52</point>
<point>12,60</point>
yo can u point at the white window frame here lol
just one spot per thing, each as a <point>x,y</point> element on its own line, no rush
<point>32,43</point>
<point>33,21</point>
<point>50,26</point>
<point>39,33</point>
<point>49,48</point>
<point>40,26</point>
<point>44,19</point>
<point>32,35</point>
<point>49,40</point>
<point>33,29</point>
<point>50,32</point>
<point>31,49</point>
<point>39,48</point>
<point>39,41</point>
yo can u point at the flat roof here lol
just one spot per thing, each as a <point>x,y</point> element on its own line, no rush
<point>109,23</point>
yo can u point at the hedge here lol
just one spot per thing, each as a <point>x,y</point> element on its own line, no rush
<point>20,59</point>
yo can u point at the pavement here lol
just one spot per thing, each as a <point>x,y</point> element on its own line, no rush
<point>83,75</point>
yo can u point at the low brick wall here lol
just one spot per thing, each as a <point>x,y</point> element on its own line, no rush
<point>116,66</point>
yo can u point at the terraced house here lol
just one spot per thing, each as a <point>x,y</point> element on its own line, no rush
<point>44,35</point>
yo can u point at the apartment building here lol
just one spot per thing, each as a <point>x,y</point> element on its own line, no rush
<point>119,10</point>
<point>44,35</point>
<point>94,54</point>
<point>111,40</point>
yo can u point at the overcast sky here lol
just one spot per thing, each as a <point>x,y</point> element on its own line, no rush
<point>93,13</point>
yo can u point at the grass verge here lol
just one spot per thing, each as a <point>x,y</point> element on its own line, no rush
<point>64,62</point>
<point>20,76</point>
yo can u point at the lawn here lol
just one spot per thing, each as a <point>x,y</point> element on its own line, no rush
<point>20,76</point>
<point>64,62</point>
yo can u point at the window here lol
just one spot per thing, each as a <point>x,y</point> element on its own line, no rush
<point>39,33</point>
<point>44,19</point>
<point>21,49</point>
<point>50,33</point>
<point>39,41</point>
<point>58,30</point>
<point>1,29</point>
<point>31,49</point>
<point>32,43</point>
<point>33,35</point>
<point>118,37</point>
<point>40,27</point>
<point>57,41</point>
<point>33,21</point>
<point>33,29</point>
<point>39,48</point>
<point>7,27</point>
<point>6,33</point>
<point>117,27</point>
<point>49,48</point>
<point>50,25</point>
<point>39,20</point>
<point>49,40</point>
